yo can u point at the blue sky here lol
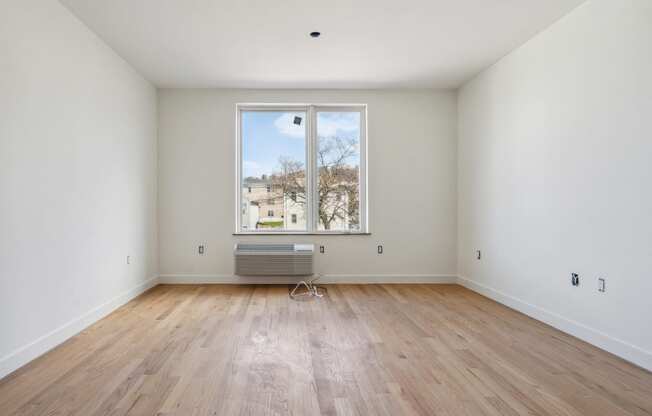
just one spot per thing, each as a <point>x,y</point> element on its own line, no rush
<point>267,135</point>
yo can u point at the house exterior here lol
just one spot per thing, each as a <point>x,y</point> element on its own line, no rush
<point>265,206</point>
<point>262,204</point>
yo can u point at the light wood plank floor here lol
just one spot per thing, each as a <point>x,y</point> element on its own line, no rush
<point>362,350</point>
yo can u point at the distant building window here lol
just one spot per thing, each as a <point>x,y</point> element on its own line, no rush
<point>293,196</point>
<point>249,189</point>
<point>294,218</point>
<point>269,188</point>
<point>270,213</point>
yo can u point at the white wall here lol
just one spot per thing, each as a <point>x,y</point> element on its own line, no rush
<point>77,179</point>
<point>412,189</point>
<point>555,174</point>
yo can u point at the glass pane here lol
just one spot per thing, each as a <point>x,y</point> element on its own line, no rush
<point>273,171</point>
<point>338,163</point>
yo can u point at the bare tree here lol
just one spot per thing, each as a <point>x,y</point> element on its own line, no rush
<point>338,181</point>
<point>290,179</point>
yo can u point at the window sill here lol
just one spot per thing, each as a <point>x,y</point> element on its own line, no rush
<point>299,233</point>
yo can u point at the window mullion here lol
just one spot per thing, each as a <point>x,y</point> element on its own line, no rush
<point>313,174</point>
<point>308,183</point>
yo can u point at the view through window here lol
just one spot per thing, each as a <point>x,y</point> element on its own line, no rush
<point>301,169</point>
<point>338,165</point>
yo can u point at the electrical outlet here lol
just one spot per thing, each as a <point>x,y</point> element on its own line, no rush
<point>128,259</point>
<point>380,249</point>
<point>478,254</point>
<point>601,285</point>
<point>575,279</point>
<point>201,249</point>
<point>321,249</point>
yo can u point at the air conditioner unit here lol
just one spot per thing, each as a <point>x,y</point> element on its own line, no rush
<point>273,259</point>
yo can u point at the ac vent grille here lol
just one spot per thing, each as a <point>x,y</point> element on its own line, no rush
<point>273,259</point>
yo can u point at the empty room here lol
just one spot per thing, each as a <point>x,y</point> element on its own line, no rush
<point>351,207</point>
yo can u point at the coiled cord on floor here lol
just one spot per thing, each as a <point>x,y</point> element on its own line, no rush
<point>312,290</point>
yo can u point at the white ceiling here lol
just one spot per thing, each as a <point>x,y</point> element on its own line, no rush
<point>364,43</point>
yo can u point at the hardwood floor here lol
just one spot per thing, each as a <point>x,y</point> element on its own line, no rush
<point>361,350</point>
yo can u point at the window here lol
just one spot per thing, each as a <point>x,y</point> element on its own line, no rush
<point>305,162</point>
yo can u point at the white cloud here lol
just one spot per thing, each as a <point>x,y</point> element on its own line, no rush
<point>285,125</point>
<point>329,124</point>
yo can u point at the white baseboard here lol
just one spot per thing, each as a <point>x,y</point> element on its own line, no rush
<point>325,279</point>
<point>34,349</point>
<point>629,352</point>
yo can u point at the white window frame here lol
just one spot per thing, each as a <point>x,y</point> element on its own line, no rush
<point>311,110</point>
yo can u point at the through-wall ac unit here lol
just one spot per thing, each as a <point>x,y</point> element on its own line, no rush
<point>273,259</point>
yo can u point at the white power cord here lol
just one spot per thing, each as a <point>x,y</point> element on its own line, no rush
<point>311,287</point>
